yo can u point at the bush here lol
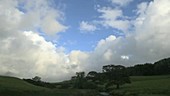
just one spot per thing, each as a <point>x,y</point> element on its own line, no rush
<point>89,85</point>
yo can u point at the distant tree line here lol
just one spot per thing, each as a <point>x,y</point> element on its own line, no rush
<point>161,67</point>
<point>119,75</point>
<point>111,76</point>
<point>37,81</point>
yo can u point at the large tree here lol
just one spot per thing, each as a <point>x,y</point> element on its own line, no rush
<point>79,80</point>
<point>116,74</point>
<point>36,78</point>
<point>92,75</point>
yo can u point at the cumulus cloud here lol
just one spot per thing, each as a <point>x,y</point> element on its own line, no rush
<point>85,26</point>
<point>148,43</point>
<point>113,18</point>
<point>38,14</point>
<point>110,17</point>
<point>26,53</point>
<point>156,23</point>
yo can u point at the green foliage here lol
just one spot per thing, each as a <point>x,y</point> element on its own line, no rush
<point>92,75</point>
<point>161,67</point>
<point>143,84</point>
<point>81,82</point>
<point>36,78</point>
<point>65,85</point>
<point>116,74</point>
<point>89,85</point>
<point>38,82</point>
<point>141,70</point>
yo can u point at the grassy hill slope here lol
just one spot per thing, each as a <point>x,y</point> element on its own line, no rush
<point>11,86</point>
<point>13,83</point>
<point>140,86</point>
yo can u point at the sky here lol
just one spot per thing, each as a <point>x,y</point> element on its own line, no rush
<point>54,39</point>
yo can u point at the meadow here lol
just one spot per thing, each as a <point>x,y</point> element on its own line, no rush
<point>11,86</point>
<point>146,86</point>
<point>140,86</point>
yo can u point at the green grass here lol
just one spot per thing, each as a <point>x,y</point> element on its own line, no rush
<point>146,86</point>
<point>10,86</point>
<point>16,84</point>
<point>140,86</point>
<point>144,78</point>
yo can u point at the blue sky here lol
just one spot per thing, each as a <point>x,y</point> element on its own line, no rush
<point>82,10</point>
<point>68,36</point>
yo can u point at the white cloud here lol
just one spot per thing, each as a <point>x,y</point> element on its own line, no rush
<point>39,14</point>
<point>125,57</point>
<point>148,43</point>
<point>153,30</point>
<point>52,26</point>
<point>113,18</point>
<point>26,54</point>
<point>85,26</point>
<point>121,2</point>
<point>102,42</point>
<point>141,8</point>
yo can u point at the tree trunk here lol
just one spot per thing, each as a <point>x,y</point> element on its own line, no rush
<point>117,86</point>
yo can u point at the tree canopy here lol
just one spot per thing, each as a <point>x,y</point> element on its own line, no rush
<point>116,74</point>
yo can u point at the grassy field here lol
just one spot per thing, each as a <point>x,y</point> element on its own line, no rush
<point>140,86</point>
<point>146,86</point>
<point>10,86</point>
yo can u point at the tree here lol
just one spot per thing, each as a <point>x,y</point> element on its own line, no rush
<point>36,78</point>
<point>116,74</point>
<point>162,67</point>
<point>79,80</point>
<point>143,69</point>
<point>80,75</point>
<point>92,75</point>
